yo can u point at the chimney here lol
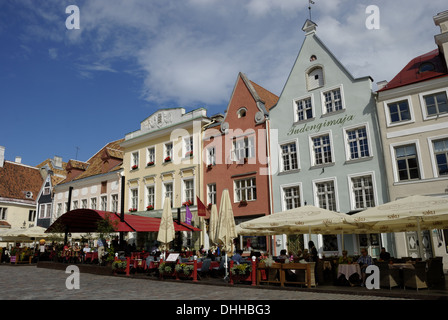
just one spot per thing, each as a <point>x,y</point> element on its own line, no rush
<point>2,156</point>
<point>57,161</point>
<point>441,39</point>
<point>382,84</point>
<point>18,159</point>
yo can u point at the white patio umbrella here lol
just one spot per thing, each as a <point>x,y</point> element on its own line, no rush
<point>302,220</point>
<point>213,225</point>
<point>166,230</point>
<point>226,225</point>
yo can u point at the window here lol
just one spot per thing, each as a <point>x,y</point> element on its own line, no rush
<point>241,113</point>
<point>3,214</point>
<point>93,204</point>
<point>134,160</point>
<point>168,152</point>
<point>104,203</point>
<point>363,192</point>
<point>315,78</point>
<point>291,197</point>
<point>243,148</point>
<point>407,162</point>
<point>211,193</point>
<point>31,215</point>
<point>358,145</point>
<point>211,156</point>
<point>326,196</point>
<point>399,111</point>
<point>75,204</point>
<point>436,103</point>
<point>289,156</point>
<point>84,204</point>
<point>151,156</point>
<point>46,191</point>
<point>332,100</point>
<point>134,199</point>
<point>59,209</point>
<point>42,211</point>
<point>168,192</point>
<point>189,190</point>
<point>321,147</point>
<point>188,147</point>
<point>150,196</point>
<point>48,211</point>
<point>304,109</point>
<point>114,200</point>
<point>441,155</point>
<point>426,66</point>
<point>245,190</point>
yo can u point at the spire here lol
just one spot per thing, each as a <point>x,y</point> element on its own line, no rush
<point>309,27</point>
<point>310,2</point>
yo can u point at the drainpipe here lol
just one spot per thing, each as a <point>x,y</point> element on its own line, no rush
<point>70,190</point>
<point>122,210</point>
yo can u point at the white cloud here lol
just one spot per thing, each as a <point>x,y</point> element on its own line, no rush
<point>53,53</point>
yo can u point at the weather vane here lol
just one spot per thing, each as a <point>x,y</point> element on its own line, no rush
<point>310,2</point>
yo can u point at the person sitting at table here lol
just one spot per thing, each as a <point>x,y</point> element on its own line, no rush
<point>384,256</point>
<point>344,259</point>
<point>364,261</point>
<point>210,255</point>
<point>237,257</point>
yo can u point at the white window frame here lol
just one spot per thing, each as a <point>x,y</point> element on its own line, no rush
<point>42,210</point>
<point>280,152</point>
<point>75,204</point>
<point>350,178</point>
<point>104,202</point>
<point>84,204</point>
<point>133,201</point>
<point>431,140</point>
<point>135,157</point>
<point>187,146</point>
<point>335,184</point>
<point>211,194</point>
<point>165,183</point>
<point>244,189</point>
<point>247,148</point>
<point>211,156</point>
<point>114,202</point>
<point>347,146</point>
<point>392,147</point>
<point>295,108</point>
<point>323,100</point>
<point>165,150</point>
<point>184,189</point>
<point>148,155</point>
<point>311,148</point>
<point>147,202</point>
<point>94,201</point>
<point>290,185</point>
<point>423,103</point>
<point>58,209</point>
<point>389,122</point>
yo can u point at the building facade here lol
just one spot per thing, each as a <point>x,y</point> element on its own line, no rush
<point>413,114</point>
<point>163,159</point>
<point>94,184</point>
<point>19,188</point>
<point>236,156</point>
<point>325,146</point>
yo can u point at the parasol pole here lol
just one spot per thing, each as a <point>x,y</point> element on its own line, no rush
<point>420,242</point>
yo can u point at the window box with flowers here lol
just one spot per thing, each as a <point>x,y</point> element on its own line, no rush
<point>189,154</point>
<point>149,208</point>
<point>209,167</point>
<point>243,203</point>
<point>184,270</point>
<point>150,164</point>
<point>209,206</point>
<point>133,210</point>
<point>241,272</point>
<point>119,266</point>
<point>187,203</point>
<point>167,159</point>
<point>134,167</point>
<point>166,269</point>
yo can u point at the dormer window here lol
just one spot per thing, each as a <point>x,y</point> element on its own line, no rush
<point>315,78</point>
<point>426,66</point>
<point>313,58</point>
<point>241,112</point>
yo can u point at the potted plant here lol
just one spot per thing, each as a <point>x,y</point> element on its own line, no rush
<point>209,206</point>
<point>150,207</point>
<point>187,203</point>
<point>134,167</point>
<point>240,271</point>
<point>184,270</point>
<point>209,167</point>
<point>133,210</point>
<point>119,266</point>
<point>243,203</point>
<point>167,159</point>
<point>166,269</point>
<point>150,163</point>
<point>189,154</point>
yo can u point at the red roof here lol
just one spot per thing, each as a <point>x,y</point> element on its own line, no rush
<point>413,73</point>
<point>85,220</point>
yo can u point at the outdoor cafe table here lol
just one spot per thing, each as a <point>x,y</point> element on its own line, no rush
<point>264,274</point>
<point>349,269</point>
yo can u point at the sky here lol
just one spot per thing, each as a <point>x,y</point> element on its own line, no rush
<point>68,92</point>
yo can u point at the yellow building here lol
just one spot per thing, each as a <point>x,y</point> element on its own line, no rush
<point>163,159</point>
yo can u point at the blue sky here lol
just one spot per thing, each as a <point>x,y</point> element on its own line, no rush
<point>65,89</point>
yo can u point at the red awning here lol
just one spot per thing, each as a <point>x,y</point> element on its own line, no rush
<point>85,220</point>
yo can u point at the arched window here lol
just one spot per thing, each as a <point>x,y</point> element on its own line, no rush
<point>315,78</point>
<point>241,112</point>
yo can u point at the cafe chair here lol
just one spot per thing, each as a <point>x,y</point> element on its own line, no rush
<point>416,277</point>
<point>388,277</point>
<point>205,268</point>
<point>435,274</point>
